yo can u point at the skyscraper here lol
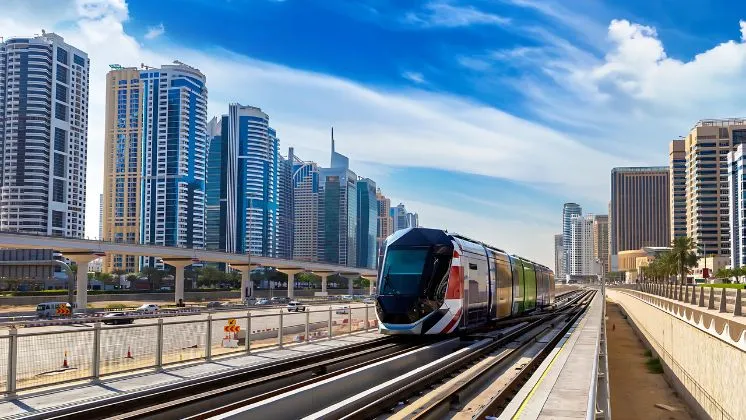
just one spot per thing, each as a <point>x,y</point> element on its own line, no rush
<point>43,135</point>
<point>244,165</point>
<point>677,178</point>
<point>601,242</point>
<point>367,223</point>
<point>285,219</point>
<point>306,228</point>
<point>707,146</point>
<point>640,214</point>
<point>737,202</point>
<point>399,217</point>
<point>413,220</point>
<point>385,222</point>
<point>559,255</point>
<point>121,207</point>
<point>100,216</point>
<point>174,154</point>
<point>568,211</point>
<point>338,212</point>
<point>581,246</point>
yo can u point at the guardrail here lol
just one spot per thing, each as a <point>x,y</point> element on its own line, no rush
<point>42,358</point>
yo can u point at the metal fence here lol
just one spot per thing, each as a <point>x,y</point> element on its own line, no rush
<point>89,351</point>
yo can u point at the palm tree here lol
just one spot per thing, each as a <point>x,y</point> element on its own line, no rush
<point>682,254</point>
<point>725,273</point>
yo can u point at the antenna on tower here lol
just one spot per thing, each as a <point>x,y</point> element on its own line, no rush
<point>332,139</point>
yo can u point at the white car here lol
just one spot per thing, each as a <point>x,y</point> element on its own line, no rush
<point>369,301</point>
<point>296,307</point>
<point>262,301</point>
<point>343,310</point>
<point>148,308</point>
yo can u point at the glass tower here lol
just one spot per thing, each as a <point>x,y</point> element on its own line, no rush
<point>338,212</point>
<point>367,223</point>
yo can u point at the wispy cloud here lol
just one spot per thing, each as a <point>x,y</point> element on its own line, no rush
<point>444,14</point>
<point>413,76</point>
<point>155,31</point>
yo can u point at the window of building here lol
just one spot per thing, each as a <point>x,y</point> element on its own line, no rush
<point>61,93</point>
<point>79,60</point>
<point>60,111</point>
<point>57,219</point>
<point>61,74</point>
<point>59,165</point>
<point>59,139</point>
<point>58,190</point>
<point>61,55</point>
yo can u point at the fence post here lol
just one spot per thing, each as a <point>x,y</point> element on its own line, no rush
<point>330,322</point>
<point>12,361</point>
<point>737,308</point>
<point>159,347</point>
<point>96,362</point>
<point>308,318</point>
<point>711,302</point>
<point>723,301</point>
<point>208,340</point>
<point>367,319</point>
<point>279,333</point>
<point>701,296</point>
<point>247,342</point>
<point>686,293</point>
<point>694,294</point>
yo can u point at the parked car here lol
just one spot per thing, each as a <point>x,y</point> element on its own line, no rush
<point>113,318</point>
<point>343,310</point>
<point>213,305</point>
<point>280,299</point>
<point>295,306</point>
<point>263,301</point>
<point>250,301</point>
<point>148,308</point>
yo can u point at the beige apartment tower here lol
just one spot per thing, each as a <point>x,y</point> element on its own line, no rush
<point>677,179</point>
<point>639,214</point>
<point>601,241</point>
<point>707,210</point>
<point>122,159</point>
<point>385,221</point>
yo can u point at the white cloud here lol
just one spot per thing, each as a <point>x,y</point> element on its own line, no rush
<point>408,128</point>
<point>155,31</point>
<point>440,13</point>
<point>414,77</point>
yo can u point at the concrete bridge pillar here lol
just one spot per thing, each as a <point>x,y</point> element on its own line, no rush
<point>324,281</point>
<point>349,277</point>
<point>737,309</point>
<point>291,272</point>
<point>81,278</point>
<point>247,286</point>
<point>179,265</point>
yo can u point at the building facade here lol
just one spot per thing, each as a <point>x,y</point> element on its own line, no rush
<point>601,242</point>
<point>244,165</point>
<point>581,246</point>
<point>569,210</point>
<point>707,201</point>
<point>43,136</point>
<point>399,217</point>
<point>677,178</point>
<point>559,254</point>
<point>367,224</point>
<point>121,206</point>
<point>413,220</point>
<point>385,221</point>
<point>737,203</point>
<point>640,212</point>
<point>285,219</point>
<point>338,212</point>
<point>174,154</point>
<point>306,201</point>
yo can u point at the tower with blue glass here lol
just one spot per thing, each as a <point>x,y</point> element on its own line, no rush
<point>367,223</point>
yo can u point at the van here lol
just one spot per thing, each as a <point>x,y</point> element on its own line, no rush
<point>49,309</point>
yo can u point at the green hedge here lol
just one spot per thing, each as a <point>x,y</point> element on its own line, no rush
<point>724,285</point>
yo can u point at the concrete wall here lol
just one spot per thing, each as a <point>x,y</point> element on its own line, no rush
<point>701,352</point>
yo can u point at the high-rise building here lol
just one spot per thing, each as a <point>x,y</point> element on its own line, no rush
<point>385,221</point>
<point>568,211</point>
<point>245,171</point>
<point>306,199</point>
<point>601,242</point>
<point>413,220</point>
<point>338,212</point>
<point>121,209</point>
<point>174,154</point>
<point>581,246</point>
<point>559,254</point>
<point>43,135</point>
<point>707,146</point>
<point>640,214</point>
<point>285,219</point>
<point>399,217</point>
<point>367,223</point>
<point>677,178</point>
<point>737,202</point>
<point>100,216</point>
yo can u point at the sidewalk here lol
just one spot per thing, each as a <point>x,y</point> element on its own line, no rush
<point>39,401</point>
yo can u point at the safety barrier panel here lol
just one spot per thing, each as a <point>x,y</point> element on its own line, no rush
<point>88,351</point>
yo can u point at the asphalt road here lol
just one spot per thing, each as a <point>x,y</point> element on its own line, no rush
<point>41,350</point>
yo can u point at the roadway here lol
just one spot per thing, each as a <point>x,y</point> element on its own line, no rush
<point>41,350</point>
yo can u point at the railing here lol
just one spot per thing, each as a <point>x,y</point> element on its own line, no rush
<point>88,352</point>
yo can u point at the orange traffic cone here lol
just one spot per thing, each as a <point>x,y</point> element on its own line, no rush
<point>129,353</point>
<point>64,362</point>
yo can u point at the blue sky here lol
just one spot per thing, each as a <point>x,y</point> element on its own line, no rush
<point>483,116</point>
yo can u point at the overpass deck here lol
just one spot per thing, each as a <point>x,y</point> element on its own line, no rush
<point>566,384</point>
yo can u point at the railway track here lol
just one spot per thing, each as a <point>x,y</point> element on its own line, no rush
<point>278,389</point>
<point>435,377</point>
